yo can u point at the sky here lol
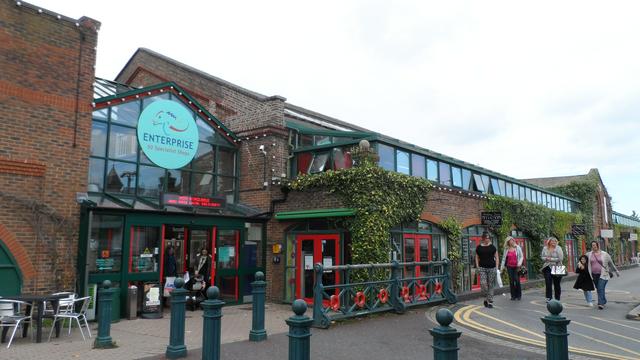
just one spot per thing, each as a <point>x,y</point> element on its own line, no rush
<point>527,89</point>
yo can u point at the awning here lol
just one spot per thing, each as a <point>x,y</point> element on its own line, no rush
<point>316,213</point>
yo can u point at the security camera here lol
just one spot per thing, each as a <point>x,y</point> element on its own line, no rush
<point>261,148</point>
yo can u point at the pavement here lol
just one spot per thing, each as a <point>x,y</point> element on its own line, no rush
<point>512,330</point>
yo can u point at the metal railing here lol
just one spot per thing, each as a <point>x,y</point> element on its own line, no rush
<point>345,299</point>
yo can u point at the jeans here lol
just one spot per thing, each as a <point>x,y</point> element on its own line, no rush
<point>514,283</point>
<point>587,296</point>
<point>548,280</point>
<point>487,282</point>
<point>600,285</point>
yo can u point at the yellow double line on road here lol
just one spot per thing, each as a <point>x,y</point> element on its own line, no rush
<point>463,316</point>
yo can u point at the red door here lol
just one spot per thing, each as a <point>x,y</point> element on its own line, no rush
<point>417,248</point>
<point>313,249</point>
<point>570,257</point>
<point>474,242</point>
<point>523,245</point>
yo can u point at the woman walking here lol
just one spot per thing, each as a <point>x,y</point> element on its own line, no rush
<point>600,266</point>
<point>552,255</point>
<point>584,281</point>
<point>512,258</point>
<point>487,260</point>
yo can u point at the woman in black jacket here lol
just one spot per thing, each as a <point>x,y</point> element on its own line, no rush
<point>584,281</point>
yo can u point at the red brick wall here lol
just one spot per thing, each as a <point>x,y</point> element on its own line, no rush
<point>46,80</point>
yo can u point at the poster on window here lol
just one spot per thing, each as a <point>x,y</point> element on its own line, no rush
<point>308,262</point>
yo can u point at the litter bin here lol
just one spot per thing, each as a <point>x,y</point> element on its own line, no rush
<point>132,302</point>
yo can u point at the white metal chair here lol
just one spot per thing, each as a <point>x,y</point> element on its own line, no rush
<point>82,304</point>
<point>14,314</point>
<point>65,305</point>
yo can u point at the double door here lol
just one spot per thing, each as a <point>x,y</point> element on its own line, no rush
<point>474,242</point>
<point>313,249</point>
<point>419,248</point>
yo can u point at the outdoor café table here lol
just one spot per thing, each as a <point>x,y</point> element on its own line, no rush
<point>40,301</point>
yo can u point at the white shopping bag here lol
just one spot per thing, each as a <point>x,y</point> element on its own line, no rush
<point>498,278</point>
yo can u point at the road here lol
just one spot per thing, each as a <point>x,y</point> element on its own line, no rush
<point>593,333</point>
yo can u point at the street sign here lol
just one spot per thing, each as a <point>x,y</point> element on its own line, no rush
<point>633,237</point>
<point>578,229</point>
<point>491,218</point>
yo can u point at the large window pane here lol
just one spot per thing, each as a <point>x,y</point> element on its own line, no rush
<point>123,143</point>
<point>98,139</point>
<point>456,174</point>
<point>202,184</point>
<point>509,188</point>
<point>150,99</point>
<point>445,173</point>
<point>227,161</point>
<point>478,184</point>
<point>121,177</point>
<point>96,175</point>
<point>151,181</point>
<point>205,132</point>
<point>322,140</point>
<point>466,179</point>
<point>127,113</point>
<point>178,182</point>
<point>203,161</point>
<point>341,159</point>
<point>104,254</point>
<point>145,249</point>
<point>319,163</point>
<point>528,194</point>
<point>486,182</point>
<point>226,187</point>
<point>495,188</point>
<point>432,170</point>
<point>417,165</point>
<point>402,162</point>
<point>387,157</point>
<point>102,114</point>
<point>501,184</point>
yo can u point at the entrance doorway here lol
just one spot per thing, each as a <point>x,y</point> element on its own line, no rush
<point>226,269</point>
<point>417,248</point>
<point>312,249</point>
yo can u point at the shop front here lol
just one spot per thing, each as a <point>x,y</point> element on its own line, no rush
<point>162,200</point>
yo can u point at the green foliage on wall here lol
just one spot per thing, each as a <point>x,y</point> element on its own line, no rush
<point>453,228</point>
<point>382,199</point>
<point>586,192</point>
<point>536,221</point>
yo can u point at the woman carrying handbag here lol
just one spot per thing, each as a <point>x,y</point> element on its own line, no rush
<point>600,266</point>
<point>512,258</point>
<point>552,268</point>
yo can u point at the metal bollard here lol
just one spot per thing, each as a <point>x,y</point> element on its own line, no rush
<point>445,337</point>
<point>555,329</point>
<point>299,332</point>
<point>105,301</point>
<point>211,324</point>
<point>176,347</point>
<point>258,333</point>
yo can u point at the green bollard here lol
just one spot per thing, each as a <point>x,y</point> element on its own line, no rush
<point>211,324</point>
<point>299,332</point>
<point>445,337</point>
<point>105,300</point>
<point>555,329</point>
<point>257,332</point>
<point>176,347</point>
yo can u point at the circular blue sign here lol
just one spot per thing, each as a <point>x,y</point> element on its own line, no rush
<point>168,134</point>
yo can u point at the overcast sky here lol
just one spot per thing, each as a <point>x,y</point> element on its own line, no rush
<point>535,89</point>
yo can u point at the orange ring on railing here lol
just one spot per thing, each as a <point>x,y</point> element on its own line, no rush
<point>404,293</point>
<point>360,299</point>
<point>422,291</point>
<point>438,288</point>
<point>334,302</point>
<point>383,295</point>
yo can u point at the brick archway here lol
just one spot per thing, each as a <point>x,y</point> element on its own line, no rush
<point>18,252</point>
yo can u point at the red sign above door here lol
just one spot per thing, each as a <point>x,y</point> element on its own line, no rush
<point>193,201</point>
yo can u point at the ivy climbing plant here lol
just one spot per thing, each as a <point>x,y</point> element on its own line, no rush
<point>585,191</point>
<point>453,229</point>
<point>382,199</point>
<point>535,220</point>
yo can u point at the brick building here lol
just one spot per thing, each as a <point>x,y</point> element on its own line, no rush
<point>126,185</point>
<point>47,63</point>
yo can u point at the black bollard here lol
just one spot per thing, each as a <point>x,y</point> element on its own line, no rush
<point>257,332</point>
<point>555,329</point>
<point>211,324</point>
<point>445,337</point>
<point>177,348</point>
<point>299,332</point>
<point>105,301</point>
